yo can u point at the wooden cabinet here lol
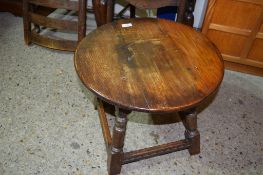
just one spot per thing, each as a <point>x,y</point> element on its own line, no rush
<point>236,28</point>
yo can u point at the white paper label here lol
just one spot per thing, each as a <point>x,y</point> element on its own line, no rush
<point>126,25</point>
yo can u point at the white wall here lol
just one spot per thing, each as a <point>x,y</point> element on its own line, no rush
<point>199,12</point>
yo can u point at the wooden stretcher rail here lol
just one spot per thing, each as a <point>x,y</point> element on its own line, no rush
<point>62,4</point>
<point>54,43</point>
<point>54,23</point>
<point>104,124</point>
<point>158,150</point>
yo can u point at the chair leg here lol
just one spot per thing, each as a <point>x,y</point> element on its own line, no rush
<point>27,23</point>
<point>82,19</point>
<point>191,132</point>
<point>189,16</point>
<point>115,153</point>
<point>132,11</point>
<point>110,10</point>
<point>181,11</point>
<point>100,12</point>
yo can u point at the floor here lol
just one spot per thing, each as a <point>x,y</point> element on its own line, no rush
<point>48,124</point>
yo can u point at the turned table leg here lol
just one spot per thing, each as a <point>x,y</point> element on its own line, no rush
<point>115,152</point>
<point>191,132</point>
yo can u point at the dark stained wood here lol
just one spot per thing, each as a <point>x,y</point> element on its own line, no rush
<point>27,23</point>
<point>153,4</point>
<point>132,11</point>
<point>189,16</point>
<point>243,68</point>
<point>191,132</point>
<point>82,6</point>
<point>153,66</point>
<point>44,11</point>
<point>184,12</point>
<point>53,23</point>
<point>16,7</point>
<point>158,150</point>
<point>100,12</point>
<point>31,15</point>
<point>104,124</point>
<point>110,10</point>
<point>63,4</point>
<point>115,153</point>
<point>13,6</point>
<point>53,43</point>
<point>181,10</point>
<point>184,15</point>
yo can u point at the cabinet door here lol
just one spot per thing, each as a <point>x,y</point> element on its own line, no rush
<point>235,26</point>
<point>256,51</point>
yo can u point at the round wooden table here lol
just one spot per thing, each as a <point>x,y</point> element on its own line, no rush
<point>148,65</point>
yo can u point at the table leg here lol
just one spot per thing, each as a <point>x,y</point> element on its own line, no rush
<point>191,132</point>
<point>115,153</point>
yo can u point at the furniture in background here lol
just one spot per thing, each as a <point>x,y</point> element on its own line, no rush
<point>149,65</point>
<point>167,12</point>
<point>12,6</point>
<point>236,28</point>
<point>15,7</point>
<point>104,10</point>
<point>31,16</point>
<point>100,11</point>
<point>184,12</point>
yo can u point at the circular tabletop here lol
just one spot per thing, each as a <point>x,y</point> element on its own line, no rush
<point>149,65</point>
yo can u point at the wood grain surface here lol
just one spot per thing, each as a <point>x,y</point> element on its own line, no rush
<point>235,27</point>
<point>153,66</point>
<point>64,4</point>
<point>33,17</point>
<point>150,4</point>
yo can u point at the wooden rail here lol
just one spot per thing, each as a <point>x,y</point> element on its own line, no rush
<point>156,151</point>
<point>63,4</point>
<point>53,43</point>
<point>54,23</point>
<point>104,124</point>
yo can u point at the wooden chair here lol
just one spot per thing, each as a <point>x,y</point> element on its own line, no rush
<point>32,18</point>
<point>104,11</point>
<point>184,12</point>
